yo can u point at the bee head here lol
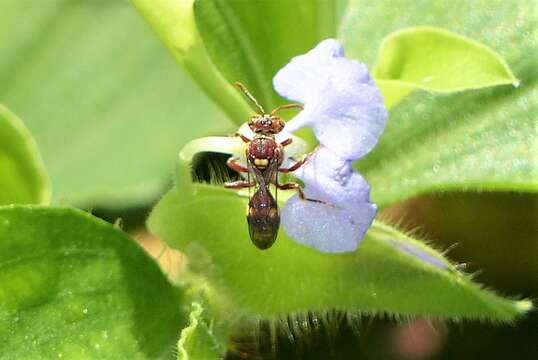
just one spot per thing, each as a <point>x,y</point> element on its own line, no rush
<point>266,124</point>
<point>263,123</point>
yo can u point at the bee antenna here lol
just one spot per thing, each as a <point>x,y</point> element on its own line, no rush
<point>249,95</point>
<point>287,106</point>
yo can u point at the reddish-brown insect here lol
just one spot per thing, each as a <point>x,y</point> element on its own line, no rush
<point>264,159</point>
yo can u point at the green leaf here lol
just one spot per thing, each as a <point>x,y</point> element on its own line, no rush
<point>23,178</point>
<point>173,22</point>
<point>197,341</point>
<point>76,287</point>
<point>249,41</point>
<point>436,60</point>
<point>104,101</point>
<point>483,141</point>
<point>389,273</point>
<point>478,140</point>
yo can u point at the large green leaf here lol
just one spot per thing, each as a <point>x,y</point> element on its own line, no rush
<point>480,140</point>
<point>106,104</point>
<point>76,287</point>
<point>249,41</point>
<point>437,60</point>
<point>389,273</point>
<point>23,178</point>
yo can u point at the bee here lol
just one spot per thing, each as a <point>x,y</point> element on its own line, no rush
<point>264,163</point>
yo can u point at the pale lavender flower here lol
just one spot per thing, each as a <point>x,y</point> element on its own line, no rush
<point>345,109</point>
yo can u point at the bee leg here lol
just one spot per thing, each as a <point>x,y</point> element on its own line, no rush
<point>295,166</point>
<point>243,137</point>
<point>240,184</point>
<point>295,186</point>
<point>234,165</point>
<point>286,142</point>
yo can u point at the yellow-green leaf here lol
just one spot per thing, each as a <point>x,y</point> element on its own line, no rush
<point>23,178</point>
<point>438,60</point>
<point>197,341</point>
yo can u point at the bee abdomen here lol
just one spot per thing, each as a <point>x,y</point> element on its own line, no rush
<point>263,219</point>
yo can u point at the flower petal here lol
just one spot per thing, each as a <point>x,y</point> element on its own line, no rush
<point>339,225</point>
<point>419,253</point>
<point>326,228</point>
<point>304,77</point>
<point>349,121</point>
<point>333,178</point>
<point>342,103</point>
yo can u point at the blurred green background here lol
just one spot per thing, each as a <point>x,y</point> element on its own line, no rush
<point>109,110</point>
<point>107,105</point>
